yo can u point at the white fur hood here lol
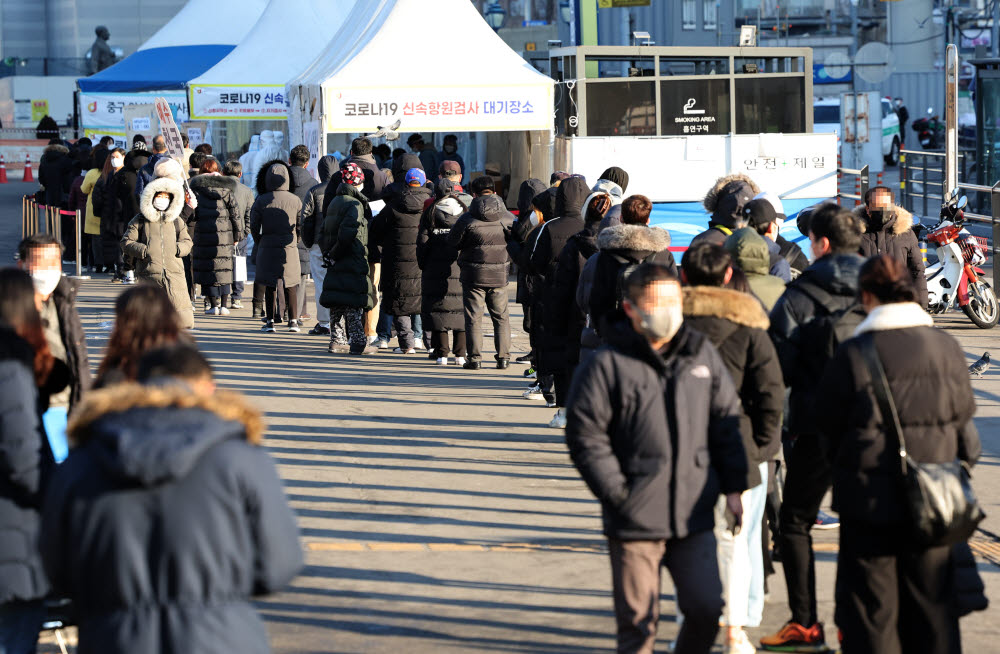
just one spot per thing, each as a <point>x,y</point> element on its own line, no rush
<point>634,238</point>
<point>169,168</point>
<point>171,186</point>
<point>898,315</point>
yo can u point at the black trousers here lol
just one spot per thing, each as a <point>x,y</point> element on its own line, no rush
<point>891,598</point>
<point>439,342</point>
<point>807,479</point>
<point>272,303</point>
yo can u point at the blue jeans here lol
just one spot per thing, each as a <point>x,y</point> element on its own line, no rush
<point>384,329</point>
<point>55,421</point>
<point>20,623</point>
<point>755,521</point>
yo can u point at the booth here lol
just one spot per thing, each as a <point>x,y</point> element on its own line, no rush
<point>380,68</point>
<point>188,45</point>
<point>248,84</point>
<point>677,119</point>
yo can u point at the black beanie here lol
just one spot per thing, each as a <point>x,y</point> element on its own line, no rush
<point>616,175</point>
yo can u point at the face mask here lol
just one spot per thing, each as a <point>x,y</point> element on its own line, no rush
<point>450,149</point>
<point>45,281</point>
<point>117,162</point>
<point>161,203</point>
<point>662,323</point>
<point>879,217</point>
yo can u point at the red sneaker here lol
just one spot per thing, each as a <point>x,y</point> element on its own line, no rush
<point>793,637</point>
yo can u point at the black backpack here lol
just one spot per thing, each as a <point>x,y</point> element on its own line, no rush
<point>821,336</point>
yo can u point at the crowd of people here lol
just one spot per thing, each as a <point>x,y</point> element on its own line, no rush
<point>709,406</point>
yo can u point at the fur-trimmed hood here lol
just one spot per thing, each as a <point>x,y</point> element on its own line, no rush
<point>169,168</point>
<point>711,200</point>
<point>902,221</point>
<point>897,315</point>
<point>640,240</point>
<point>152,434</point>
<point>213,185</point>
<point>171,186</point>
<point>734,306</point>
<point>55,149</point>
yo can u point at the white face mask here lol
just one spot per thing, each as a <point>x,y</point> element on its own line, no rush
<point>45,281</point>
<point>161,203</point>
<point>117,162</point>
<point>663,322</point>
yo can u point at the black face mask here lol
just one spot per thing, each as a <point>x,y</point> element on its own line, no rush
<point>879,217</point>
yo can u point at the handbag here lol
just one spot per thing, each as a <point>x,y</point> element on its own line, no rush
<point>942,507</point>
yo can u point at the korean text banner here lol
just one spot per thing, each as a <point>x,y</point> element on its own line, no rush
<point>108,109</point>
<point>429,108</point>
<point>238,102</point>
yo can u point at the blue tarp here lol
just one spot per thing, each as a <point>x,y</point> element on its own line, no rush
<point>685,220</point>
<point>156,69</point>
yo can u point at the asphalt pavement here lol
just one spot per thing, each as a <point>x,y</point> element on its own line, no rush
<point>438,512</point>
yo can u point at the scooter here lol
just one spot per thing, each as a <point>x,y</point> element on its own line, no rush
<point>930,130</point>
<point>956,278</point>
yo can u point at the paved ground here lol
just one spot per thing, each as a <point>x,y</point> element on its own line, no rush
<point>437,511</point>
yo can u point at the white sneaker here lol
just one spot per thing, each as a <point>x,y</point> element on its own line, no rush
<point>419,345</point>
<point>459,361</point>
<point>738,644</point>
<point>380,344</point>
<point>559,420</point>
<point>130,277</point>
<point>400,350</point>
<point>293,326</point>
<point>210,311</point>
<point>550,405</point>
<point>223,311</point>
<point>442,361</point>
<point>533,393</point>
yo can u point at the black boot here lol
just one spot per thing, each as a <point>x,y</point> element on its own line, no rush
<point>258,311</point>
<point>503,363</point>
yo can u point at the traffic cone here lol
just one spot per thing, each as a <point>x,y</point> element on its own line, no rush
<point>28,176</point>
<point>3,171</point>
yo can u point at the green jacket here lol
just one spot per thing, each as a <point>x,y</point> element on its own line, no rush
<point>750,253</point>
<point>344,243</point>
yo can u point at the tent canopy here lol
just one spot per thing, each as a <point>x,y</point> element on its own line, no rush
<point>365,78</point>
<point>249,83</point>
<point>188,45</point>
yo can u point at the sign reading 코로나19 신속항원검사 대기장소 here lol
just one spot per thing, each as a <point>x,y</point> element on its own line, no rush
<point>238,103</point>
<point>461,108</point>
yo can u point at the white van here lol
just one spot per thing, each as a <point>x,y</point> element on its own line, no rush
<point>826,120</point>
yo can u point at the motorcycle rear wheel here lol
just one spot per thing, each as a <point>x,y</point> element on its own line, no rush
<point>983,308</point>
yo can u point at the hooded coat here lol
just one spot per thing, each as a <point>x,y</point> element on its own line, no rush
<point>147,173</point>
<point>442,308</point>
<point>216,228</point>
<point>157,240</point>
<point>622,246</point>
<point>750,252</point>
<point>554,234</point>
<point>895,237</point>
<point>725,202</point>
<point>313,213</point>
<point>273,224</point>
<point>736,325</point>
<point>56,174</point>
<point>400,165</point>
<point>394,231</point>
<point>165,520</point>
<point>26,461</point>
<point>654,479</point>
<point>481,239</point>
<point>128,179</point>
<point>344,243</point>
<point>564,320</point>
<point>526,223</point>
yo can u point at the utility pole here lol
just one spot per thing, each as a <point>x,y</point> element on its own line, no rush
<point>854,86</point>
<point>995,32</point>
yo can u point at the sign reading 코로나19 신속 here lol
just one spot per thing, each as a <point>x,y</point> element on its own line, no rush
<point>238,103</point>
<point>460,108</point>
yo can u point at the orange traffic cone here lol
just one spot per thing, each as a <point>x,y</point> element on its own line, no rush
<point>28,176</point>
<point>3,171</point>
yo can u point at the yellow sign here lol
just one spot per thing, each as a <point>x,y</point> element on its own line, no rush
<point>529,47</point>
<point>39,109</point>
<point>608,4</point>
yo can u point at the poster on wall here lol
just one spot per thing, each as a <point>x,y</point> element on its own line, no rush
<point>108,109</point>
<point>141,119</point>
<point>39,109</point>
<point>218,102</point>
<point>96,134</point>
<point>310,132</point>
<point>443,108</point>
<point>196,133</point>
<point>22,110</point>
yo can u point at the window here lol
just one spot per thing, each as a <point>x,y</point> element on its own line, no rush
<point>769,105</point>
<point>689,14</point>
<point>710,13</point>
<point>621,109</point>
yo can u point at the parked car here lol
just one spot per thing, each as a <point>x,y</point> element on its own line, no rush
<point>826,120</point>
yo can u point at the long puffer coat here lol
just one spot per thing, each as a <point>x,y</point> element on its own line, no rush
<point>395,229</point>
<point>344,243</point>
<point>273,223</point>
<point>525,224</point>
<point>933,397</point>
<point>303,183</point>
<point>563,319</point>
<point>55,173</point>
<point>736,325</point>
<point>442,308</point>
<point>165,520</point>
<point>157,240</point>
<point>26,460</point>
<point>895,237</point>
<point>112,216</point>
<point>217,227</point>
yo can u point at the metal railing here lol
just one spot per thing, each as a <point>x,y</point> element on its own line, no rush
<point>862,181</point>
<point>922,179</point>
<point>42,219</point>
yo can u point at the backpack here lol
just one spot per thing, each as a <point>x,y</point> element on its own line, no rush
<point>821,336</point>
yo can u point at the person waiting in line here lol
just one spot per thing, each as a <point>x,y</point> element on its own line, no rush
<point>274,221</point>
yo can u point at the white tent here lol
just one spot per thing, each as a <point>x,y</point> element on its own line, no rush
<point>194,24</point>
<point>249,83</point>
<point>373,73</point>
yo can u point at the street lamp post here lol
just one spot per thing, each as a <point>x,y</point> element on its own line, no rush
<point>495,15</point>
<point>568,15</point>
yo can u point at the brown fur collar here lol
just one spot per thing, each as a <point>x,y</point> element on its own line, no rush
<point>903,222</point>
<point>118,399</point>
<point>712,197</point>
<point>740,308</point>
